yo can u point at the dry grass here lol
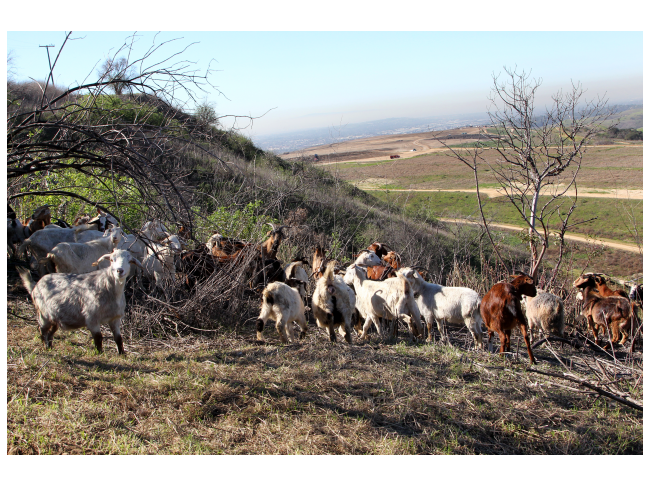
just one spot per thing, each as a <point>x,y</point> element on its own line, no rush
<point>228,393</point>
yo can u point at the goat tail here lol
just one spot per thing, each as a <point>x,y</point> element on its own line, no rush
<point>26,277</point>
<point>267,297</point>
<point>329,271</point>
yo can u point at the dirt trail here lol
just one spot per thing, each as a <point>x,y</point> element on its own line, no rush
<point>632,194</point>
<point>428,149</point>
<point>607,243</point>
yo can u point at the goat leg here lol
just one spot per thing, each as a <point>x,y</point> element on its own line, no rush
<point>97,337</point>
<point>528,349</point>
<point>280,326</point>
<point>260,328</point>
<point>117,336</point>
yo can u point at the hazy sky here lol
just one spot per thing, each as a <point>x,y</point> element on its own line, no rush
<point>320,79</point>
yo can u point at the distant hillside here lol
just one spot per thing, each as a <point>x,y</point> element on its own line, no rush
<point>631,116</point>
<point>291,141</point>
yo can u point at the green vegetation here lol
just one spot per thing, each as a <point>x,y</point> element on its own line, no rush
<point>610,212</point>
<point>101,190</point>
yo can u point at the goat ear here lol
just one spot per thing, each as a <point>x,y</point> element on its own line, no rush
<point>103,257</point>
<point>135,261</point>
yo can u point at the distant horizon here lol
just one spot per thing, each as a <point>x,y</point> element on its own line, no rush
<point>310,137</point>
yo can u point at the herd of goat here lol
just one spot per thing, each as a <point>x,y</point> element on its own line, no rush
<point>83,271</point>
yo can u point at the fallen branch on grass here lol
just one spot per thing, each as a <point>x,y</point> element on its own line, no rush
<point>552,338</point>
<point>572,378</point>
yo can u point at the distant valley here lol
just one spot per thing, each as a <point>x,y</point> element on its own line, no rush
<point>294,141</point>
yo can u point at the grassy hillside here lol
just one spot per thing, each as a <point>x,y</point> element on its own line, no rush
<point>619,167</point>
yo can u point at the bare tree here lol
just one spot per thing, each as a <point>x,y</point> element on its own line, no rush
<point>540,153</point>
<point>119,73</point>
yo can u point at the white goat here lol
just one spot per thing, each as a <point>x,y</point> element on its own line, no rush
<point>154,231</point>
<point>333,304</point>
<point>283,304</point>
<point>438,303</point>
<point>134,245</point>
<point>80,258</point>
<point>391,299</point>
<point>73,301</point>
<point>159,265</point>
<point>545,312</point>
<point>43,241</point>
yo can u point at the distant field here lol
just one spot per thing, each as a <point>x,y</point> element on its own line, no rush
<point>611,222</point>
<point>618,167</point>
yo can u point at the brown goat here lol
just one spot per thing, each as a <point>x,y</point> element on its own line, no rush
<point>269,247</point>
<point>380,272</point>
<point>604,289</point>
<point>393,259</point>
<point>319,262</point>
<point>39,219</point>
<point>613,311</point>
<point>501,310</point>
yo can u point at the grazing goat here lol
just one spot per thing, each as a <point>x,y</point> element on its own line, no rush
<point>391,299</point>
<point>545,312</point>
<point>283,304</point>
<point>39,219</point>
<point>458,305</point>
<point>606,312</point>
<point>102,222</point>
<point>225,248</point>
<point>602,287</point>
<point>80,258</point>
<point>333,304</point>
<point>501,310</point>
<point>73,301</point>
<point>269,248</point>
